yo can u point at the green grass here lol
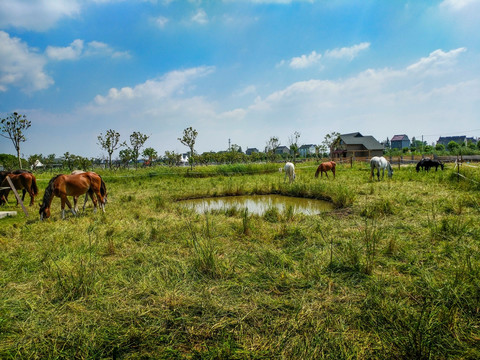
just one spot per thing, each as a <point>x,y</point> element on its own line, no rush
<point>392,272</point>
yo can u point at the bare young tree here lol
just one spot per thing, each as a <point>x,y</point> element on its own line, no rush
<point>272,144</point>
<point>14,127</point>
<point>137,139</point>
<point>188,139</point>
<point>330,140</point>
<point>110,142</point>
<point>293,141</point>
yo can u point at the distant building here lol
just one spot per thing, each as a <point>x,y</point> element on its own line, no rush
<point>357,145</point>
<point>400,142</point>
<point>444,140</point>
<point>305,150</point>
<point>282,150</point>
<point>250,151</point>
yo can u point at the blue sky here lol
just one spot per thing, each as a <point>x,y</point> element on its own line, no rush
<point>243,70</point>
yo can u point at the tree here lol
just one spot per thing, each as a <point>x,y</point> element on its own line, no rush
<point>330,140</point>
<point>110,142</point>
<point>14,127</point>
<point>452,146</point>
<point>188,139</point>
<point>137,139</point>
<point>272,144</point>
<point>293,141</point>
<point>151,154</point>
<point>172,158</point>
<point>125,156</point>
<point>68,160</point>
<point>440,147</point>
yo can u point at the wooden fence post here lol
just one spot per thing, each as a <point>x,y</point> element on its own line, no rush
<point>16,195</point>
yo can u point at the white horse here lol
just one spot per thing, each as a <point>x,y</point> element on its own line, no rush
<point>289,171</point>
<point>380,163</point>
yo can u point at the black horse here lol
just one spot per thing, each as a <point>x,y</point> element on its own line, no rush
<point>428,163</point>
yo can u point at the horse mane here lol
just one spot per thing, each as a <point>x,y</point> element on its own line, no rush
<point>48,191</point>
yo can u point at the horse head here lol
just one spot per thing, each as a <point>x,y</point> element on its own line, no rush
<point>44,211</point>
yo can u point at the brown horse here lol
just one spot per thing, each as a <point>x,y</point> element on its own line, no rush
<point>71,185</point>
<point>23,180</point>
<point>324,167</point>
<point>103,190</point>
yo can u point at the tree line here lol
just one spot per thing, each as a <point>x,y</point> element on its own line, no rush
<point>15,125</point>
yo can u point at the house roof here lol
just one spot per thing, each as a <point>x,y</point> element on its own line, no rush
<point>399,138</point>
<point>306,146</point>
<point>451,138</point>
<point>368,141</point>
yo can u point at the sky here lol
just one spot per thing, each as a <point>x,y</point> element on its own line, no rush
<point>238,71</point>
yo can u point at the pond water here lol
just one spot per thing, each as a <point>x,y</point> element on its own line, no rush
<point>258,204</point>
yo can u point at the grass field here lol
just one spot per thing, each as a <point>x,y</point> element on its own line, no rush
<point>392,273</point>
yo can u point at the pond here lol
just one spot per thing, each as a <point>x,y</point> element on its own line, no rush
<point>259,204</point>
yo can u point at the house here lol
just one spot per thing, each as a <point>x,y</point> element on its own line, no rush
<point>355,145</point>
<point>444,140</point>
<point>250,151</point>
<point>400,142</point>
<point>282,150</point>
<point>305,150</point>
<point>184,159</point>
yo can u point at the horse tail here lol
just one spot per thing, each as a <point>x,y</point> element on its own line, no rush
<point>34,186</point>
<point>103,187</point>
<point>318,170</point>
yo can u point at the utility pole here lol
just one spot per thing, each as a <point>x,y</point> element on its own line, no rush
<point>229,144</point>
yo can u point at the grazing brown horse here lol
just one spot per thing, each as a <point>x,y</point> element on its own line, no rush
<point>22,180</point>
<point>71,185</point>
<point>103,189</point>
<point>324,167</point>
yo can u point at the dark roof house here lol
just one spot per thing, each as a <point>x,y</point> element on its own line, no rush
<point>400,142</point>
<point>282,150</point>
<point>307,149</point>
<point>444,140</point>
<point>356,145</point>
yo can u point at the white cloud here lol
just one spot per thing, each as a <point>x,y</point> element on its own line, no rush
<point>436,61</point>
<point>457,5</point>
<point>349,53</point>
<point>77,49</point>
<point>305,61</point>
<point>170,85</point>
<point>314,58</point>
<point>161,21</point>
<point>38,15</point>
<point>71,52</point>
<point>200,17</point>
<point>379,102</point>
<point>21,66</point>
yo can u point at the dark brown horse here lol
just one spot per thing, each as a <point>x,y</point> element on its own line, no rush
<point>23,180</point>
<point>71,185</point>
<point>324,167</point>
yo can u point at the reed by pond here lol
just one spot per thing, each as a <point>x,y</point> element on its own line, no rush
<point>393,271</point>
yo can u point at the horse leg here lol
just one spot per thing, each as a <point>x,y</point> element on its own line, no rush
<point>66,201</point>
<point>86,199</point>
<point>326,174</point>
<point>32,196</point>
